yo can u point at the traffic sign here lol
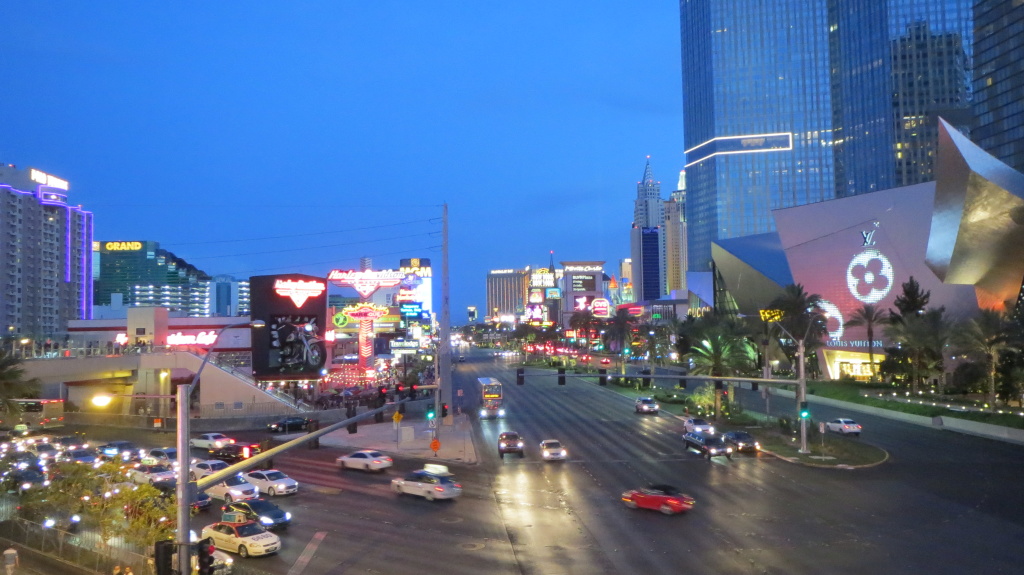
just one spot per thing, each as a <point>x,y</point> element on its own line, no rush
<point>397,417</point>
<point>432,423</point>
<point>821,427</point>
<point>435,445</point>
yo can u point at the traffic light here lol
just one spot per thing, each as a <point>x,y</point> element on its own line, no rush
<point>204,556</point>
<point>399,390</point>
<point>382,393</point>
<point>602,376</point>
<point>430,413</point>
<point>353,427</point>
<point>444,410</point>
<point>520,376</point>
<point>561,376</point>
<point>412,391</point>
<point>163,557</point>
<point>805,412</point>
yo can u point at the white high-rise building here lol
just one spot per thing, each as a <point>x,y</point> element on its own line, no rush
<point>45,255</point>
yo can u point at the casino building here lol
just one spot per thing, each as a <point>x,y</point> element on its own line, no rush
<point>961,237</point>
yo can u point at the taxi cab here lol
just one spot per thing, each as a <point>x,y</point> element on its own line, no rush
<point>247,538</point>
<point>432,482</point>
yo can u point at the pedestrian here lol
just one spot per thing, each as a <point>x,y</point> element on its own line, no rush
<point>117,570</point>
<point>128,571</point>
<point>11,560</point>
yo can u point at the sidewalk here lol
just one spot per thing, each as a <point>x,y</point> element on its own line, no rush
<point>413,440</point>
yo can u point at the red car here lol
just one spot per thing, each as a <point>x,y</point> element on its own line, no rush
<point>664,498</point>
<point>605,361</point>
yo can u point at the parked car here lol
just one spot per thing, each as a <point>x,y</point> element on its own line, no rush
<point>151,473</point>
<point>844,426</point>
<point>272,482</point>
<point>741,441</point>
<point>210,441</point>
<point>79,456</point>
<point>249,538</point>
<point>646,405</point>
<point>553,450</point>
<point>261,511</point>
<point>365,459</point>
<point>708,445</point>
<point>432,482</point>
<point>289,424</point>
<point>664,498</point>
<point>696,424</point>
<point>510,442</point>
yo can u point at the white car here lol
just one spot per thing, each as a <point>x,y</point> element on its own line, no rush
<point>365,459</point>
<point>249,538</point>
<point>146,473</point>
<point>695,424</point>
<point>844,426</point>
<point>233,489</point>
<point>552,450</point>
<point>210,441</point>
<point>272,482</point>
<point>432,482</point>
<point>206,467</point>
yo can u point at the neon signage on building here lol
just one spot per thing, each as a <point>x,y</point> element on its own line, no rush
<point>122,246</point>
<point>201,338</point>
<point>299,290</point>
<point>365,281</point>
<point>45,179</point>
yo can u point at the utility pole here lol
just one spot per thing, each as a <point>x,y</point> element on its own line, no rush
<point>444,339</point>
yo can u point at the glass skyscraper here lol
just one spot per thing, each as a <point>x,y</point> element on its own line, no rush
<point>789,102</point>
<point>757,112</point>
<point>999,79</point>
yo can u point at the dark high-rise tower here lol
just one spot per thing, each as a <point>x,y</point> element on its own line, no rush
<point>647,244</point>
<point>999,79</point>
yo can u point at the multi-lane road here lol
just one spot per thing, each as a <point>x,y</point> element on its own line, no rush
<point>943,503</point>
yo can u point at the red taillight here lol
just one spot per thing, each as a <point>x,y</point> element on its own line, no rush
<point>458,486</point>
<point>439,489</point>
<point>673,502</point>
<point>245,452</point>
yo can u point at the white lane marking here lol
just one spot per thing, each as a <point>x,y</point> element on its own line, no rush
<point>307,553</point>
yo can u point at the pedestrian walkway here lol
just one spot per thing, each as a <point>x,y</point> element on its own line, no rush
<point>409,439</point>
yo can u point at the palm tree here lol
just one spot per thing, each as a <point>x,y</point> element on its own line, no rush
<point>923,336</point>
<point>869,316</point>
<point>13,384</point>
<point>801,316</point>
<point>721,354</point>
<point>987,335</point>
<point>620,327</point>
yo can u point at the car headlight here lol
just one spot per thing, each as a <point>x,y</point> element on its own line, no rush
<point>282,486</point>
<point>564,453</point>
<point>711,430</point>
<point>501,413</point>
<point>266,520</point>
<point>26,485</point>
<point>483,413</point>
<point>288,515</point>
<point>235,491</point>
<point>520,444</point>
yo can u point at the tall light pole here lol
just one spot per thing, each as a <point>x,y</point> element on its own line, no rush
<point>184,501</point>
<point>801,393</point>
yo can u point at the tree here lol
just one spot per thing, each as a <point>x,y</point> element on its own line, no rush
<point>922,336</point>
<point>13,384</point>
<point>912,301</point>
<point>801,318</point>
<point>582,321</point>
<point>985,335</point>
<point>721,354</point>
<point>620,328</point>
<point>869,316</point>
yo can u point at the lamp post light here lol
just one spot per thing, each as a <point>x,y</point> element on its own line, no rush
<point>182,491</point>
<point>801,394</point>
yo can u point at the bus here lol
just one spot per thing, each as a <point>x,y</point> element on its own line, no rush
<point>35,414</point>
<point>490,398</point>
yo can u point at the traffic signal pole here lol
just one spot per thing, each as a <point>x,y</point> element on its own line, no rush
<point>801,396</point>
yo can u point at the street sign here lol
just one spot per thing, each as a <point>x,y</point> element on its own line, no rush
<point>435,445</point>
<point>432,423</point>
<point>460,393</point>
<point>397,417</point>
<point>821,427</point>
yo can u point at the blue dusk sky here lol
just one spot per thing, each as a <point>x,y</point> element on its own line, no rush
<point>255,138</point>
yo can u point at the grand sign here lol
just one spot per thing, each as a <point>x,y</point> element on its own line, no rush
<point>122,246</point>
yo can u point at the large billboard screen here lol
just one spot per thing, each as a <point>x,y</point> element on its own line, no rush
<point>294,308</point>
<point>582,283</point>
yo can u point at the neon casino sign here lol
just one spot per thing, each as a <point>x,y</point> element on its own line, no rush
<point>201,338</point>
<point>299,290</point>
<point>365,281</point>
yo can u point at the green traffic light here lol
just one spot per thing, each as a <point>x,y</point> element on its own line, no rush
<point>430,414</point>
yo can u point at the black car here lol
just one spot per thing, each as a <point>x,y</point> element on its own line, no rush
<point>510,442</point>
<point>289,424</point>
<point>741,441</point>
<point>120,451</point>
<point>261,511</point>
<point>200,502</point>
<point>708,445</point>
<point>234,452</point>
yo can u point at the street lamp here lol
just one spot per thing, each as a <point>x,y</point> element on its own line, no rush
<point>801,396</point>
<point>184,501</point>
